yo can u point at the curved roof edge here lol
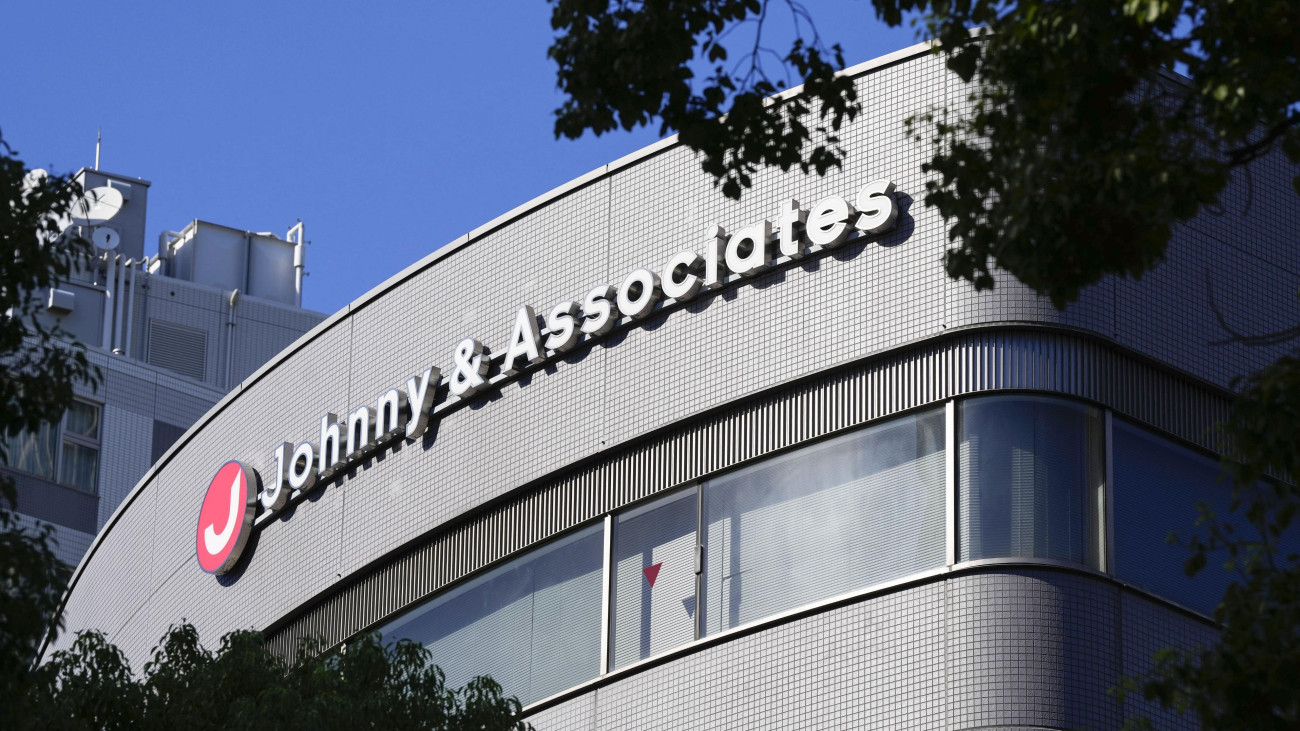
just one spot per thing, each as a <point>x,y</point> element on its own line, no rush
<point>410,271</point>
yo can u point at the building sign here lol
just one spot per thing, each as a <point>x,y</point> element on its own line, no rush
<point>406,410</point>
<point>226,517</point>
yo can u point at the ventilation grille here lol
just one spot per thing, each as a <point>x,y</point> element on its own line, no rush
<point>180,349</point>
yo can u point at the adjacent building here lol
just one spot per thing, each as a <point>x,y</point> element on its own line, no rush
<point>171,333</point>
<point>653,458</point>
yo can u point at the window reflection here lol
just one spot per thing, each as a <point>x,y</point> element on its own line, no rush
<point>68,449</point>
<point>1157,487</point>
<point>823,521</point>
<point>533,624</point>
<point>33,452</point>
<point>654,578</point>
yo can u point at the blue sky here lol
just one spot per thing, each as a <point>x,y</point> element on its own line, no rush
<point>389,128</point>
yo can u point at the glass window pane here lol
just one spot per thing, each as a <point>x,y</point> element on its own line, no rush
<point>567,603</point>
<point>83,419</point>
<point>533,624</point>
<point>1157,486</point>
<point>822,521</point>
<point>654,578</point>
<point>80,466</point>
<point>1030,477</point>
<point>33,451</point>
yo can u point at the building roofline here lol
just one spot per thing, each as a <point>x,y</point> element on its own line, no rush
<point>114,176</point>
<point>442,252</point>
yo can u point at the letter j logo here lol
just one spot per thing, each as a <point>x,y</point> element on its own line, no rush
<point>226,518</point>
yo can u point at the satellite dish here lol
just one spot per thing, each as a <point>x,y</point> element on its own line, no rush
<point>106,237</point>
<point>96,206</point>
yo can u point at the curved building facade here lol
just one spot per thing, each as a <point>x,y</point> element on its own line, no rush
<point>653,458</point>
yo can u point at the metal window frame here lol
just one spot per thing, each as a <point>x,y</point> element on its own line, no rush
<point>950,478</point>
<point>66,436</point>
<point>606,596</point>
<point>1108,499</point>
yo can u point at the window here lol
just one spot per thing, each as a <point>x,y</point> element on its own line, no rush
<point>532,624</point>
<point>1030,479</point>
<point>79,464</point>
<point>73,447</point>
<point>825,520</point>
<point>654,577</point>
<point>819,522</point>
<point>1157,487</point>
<point>34,452</point>
<point>815,523</point>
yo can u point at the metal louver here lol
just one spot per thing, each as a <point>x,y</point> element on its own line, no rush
<point>179,349</point>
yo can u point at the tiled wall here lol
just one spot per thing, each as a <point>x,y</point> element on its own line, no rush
<point>1006,649</point>
<point>864,300</point>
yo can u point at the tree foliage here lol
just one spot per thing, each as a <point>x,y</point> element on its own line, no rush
<point>38,363</point>
<point>243,685</point>
<point>626,64</point>
<point>1078,150</point>
<point>1092,129</point>
<point>37,371</point>
<point>1247,679</point>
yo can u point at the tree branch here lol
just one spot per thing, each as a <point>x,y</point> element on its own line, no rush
<point>1276,337</point>
<point>1254,150</point>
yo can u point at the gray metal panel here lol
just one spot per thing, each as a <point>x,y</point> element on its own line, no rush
<point>69,544</point>
<point>123,453</point>
<point>270,269</point>
<point>54,503</point>
<point>181,406</point>
<point>164,436</point>
<point>179,349</point>
<point>85,322</point>
<point>129,389</point>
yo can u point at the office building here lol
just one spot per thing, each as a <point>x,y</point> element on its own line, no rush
<point>171,333</point>
<point>653,458</point>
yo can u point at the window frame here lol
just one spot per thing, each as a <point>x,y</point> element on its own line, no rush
<point>61,435</point>
<point>1096,502</point>
<point>66,435</point>
<point>1099,503</point>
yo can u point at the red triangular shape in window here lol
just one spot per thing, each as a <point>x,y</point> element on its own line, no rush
<point>652,573</point>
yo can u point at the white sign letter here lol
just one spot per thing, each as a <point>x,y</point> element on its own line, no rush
<point>878,207</point>
<point>523,342</point>
<point>828,224</point>
<point>787,233</point>
<point>563,327</point>
<point>420,397</point>
<point>747,250</point>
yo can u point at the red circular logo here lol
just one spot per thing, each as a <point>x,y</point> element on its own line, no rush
<point>226,518</point>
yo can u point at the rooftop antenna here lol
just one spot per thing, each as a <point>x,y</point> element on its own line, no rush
<point>98,137</point>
